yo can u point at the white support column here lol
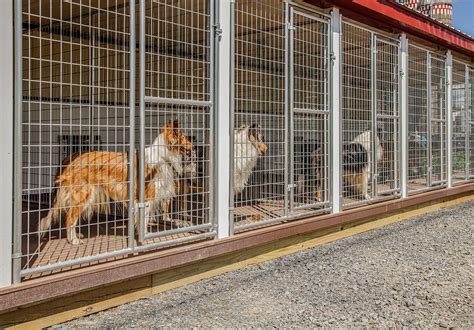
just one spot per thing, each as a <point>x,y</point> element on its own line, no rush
<point>449,117</point>
<point>336,112</point>
<point>404,115</point>
<point>223,85</point>
<point>6,147</point>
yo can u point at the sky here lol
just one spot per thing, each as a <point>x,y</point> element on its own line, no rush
<point>463,16</point>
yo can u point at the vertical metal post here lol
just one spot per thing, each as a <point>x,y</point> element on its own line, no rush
<point>429,114</point>
<point>467,122</point>
<point>213,49</point>
<point>404,115</point>
<point>231,117</point>
<point>335,106</point>
<point>373,92</point>
<point>141,177</point>
<point>289,123</point>
<point>131,159</point>
<point>449,118</point>
<point>223,124</point>
<point>11,95</point>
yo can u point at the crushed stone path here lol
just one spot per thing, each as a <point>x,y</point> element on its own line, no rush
<point>416,273</point>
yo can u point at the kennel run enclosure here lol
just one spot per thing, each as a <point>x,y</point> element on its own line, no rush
<point>107,77</point>
<point>282,63</point>
<point>427,140</point>
<point>104,78</point>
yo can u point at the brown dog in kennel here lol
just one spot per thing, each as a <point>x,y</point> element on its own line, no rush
<point>89,181</point>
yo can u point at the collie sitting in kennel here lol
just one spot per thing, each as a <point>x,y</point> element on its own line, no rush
<point>89,181</point>
<point>248,147</point>
<point>357,159</point>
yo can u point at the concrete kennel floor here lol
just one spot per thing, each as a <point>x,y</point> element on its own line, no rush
<point>416,273</point>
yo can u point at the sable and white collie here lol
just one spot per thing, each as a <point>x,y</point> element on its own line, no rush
<point>356,158</point>
<point>248,147</point>
<point>89,181</point>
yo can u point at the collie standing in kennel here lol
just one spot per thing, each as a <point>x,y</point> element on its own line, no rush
<point>248,147</point>
<point>89,181</point>
<point>357,157</point>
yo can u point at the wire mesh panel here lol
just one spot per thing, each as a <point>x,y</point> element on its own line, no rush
<point>75,133</point>
<point>387,73</point>
<point>471,122</point>
<point>418,134</point>
<point>177,118</point>
<point>460,123</point>
<point>437,128</point>
<point>310,111</point>
<point>357,113</point>
<point>260,123</point>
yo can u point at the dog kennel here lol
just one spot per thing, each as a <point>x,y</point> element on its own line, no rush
<point>427,140</point>
<point>116,77</point>
<point>281,54</point>
<point>107,76</point>
<point>370,115</point>
<point>462,138</point>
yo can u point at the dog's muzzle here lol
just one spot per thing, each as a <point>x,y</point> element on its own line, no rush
<point>262,148</point>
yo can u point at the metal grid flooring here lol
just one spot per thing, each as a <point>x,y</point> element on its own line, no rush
<point>101,239</point>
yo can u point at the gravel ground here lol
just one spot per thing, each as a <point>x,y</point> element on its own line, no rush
<point>417,273</point>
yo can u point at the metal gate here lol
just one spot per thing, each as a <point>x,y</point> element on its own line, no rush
<point>309,111</point>
<point>85,172</point>
<point>437,121</point>
<point>427,140</point>
<point>370,116</point>
<point>281,94</point>
<point>461,122</point>
<point>176,79</point>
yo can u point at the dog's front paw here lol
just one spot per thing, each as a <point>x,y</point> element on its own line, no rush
<point>367,196</point>
<point>76,241</point>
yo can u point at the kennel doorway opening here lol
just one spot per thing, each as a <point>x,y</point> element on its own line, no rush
<point>81,77</point>
<point>427,141</point>
<point>370,116</point>
<point>281,57</point>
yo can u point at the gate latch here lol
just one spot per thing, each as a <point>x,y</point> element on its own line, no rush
<point>142,205</point>
<point>292,186</point>
<point>217,30</point>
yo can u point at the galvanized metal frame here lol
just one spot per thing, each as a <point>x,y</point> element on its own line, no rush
<point>403,97</point>
<point>372,42</point>
<point>136,203</point>
<point>18,142</point>
<point>449,116</point>
<point>460,92</point>
<point>289,209</point>
<point>190,100</point>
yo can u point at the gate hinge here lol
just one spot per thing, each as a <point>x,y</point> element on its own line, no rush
<point>217,30</point>
<point>290,26</point>
<point>402,73</point>
<point>332,57</point>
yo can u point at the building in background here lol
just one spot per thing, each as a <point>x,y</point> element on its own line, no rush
<point>441,10</point>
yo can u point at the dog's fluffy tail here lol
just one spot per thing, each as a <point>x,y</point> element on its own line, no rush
<point>51,218</point>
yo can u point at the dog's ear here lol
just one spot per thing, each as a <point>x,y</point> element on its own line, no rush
<point>254,131</point>
<point>175,123</point>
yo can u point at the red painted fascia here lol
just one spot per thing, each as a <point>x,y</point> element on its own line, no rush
<point>403,19</point>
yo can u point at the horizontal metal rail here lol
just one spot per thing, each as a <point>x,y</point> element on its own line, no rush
<point>172,101</point>
<point>104,256</point>
<point>311,111</point>
<point>178,231</point>
<point>281,219</point>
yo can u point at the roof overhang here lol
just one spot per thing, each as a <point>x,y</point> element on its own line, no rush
<point>388,14</point>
